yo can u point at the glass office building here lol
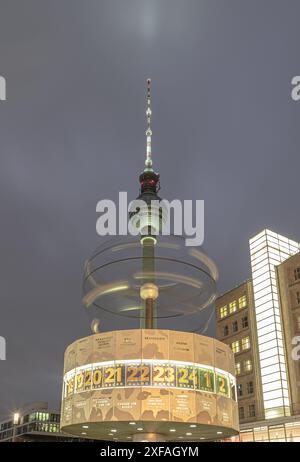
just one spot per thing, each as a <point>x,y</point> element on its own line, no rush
<point>268,250</point>
<point>260,320</point>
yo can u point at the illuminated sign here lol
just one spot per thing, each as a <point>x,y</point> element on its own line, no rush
<point>155,373</point>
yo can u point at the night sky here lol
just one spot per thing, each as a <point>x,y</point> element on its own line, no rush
<point>72,132</point>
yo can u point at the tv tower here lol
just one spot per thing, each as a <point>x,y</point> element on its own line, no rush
<point>148,383</point>
<point>149,221</point>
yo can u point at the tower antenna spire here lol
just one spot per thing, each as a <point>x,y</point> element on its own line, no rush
<point>148,162</point>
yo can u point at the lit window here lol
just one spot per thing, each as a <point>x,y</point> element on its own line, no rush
<point>252,410</point>
<point>225,331</point>
<point>241,413</point>
<point>237,368</point>
<point>245,322</point>
<point>245,343</point>
<point>242,301</point>
<point>247,365</point>
<point>297,273</point>
<point>223,311</point>
<point>250,388</point>
<point>235,346</point>
<point>235,326</point>
<point>232,307</point>
<point>240,390</point>
<point>53,428</point>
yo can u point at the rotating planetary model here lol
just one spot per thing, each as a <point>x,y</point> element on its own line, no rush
<point>148,382</point>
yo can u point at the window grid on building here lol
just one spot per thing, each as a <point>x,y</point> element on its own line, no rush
<point>242,302</point>
<point>223,311</point>
<point>251,410</point>
<point>247,365</point>
<point>297,273</point>
<point>240,390</point>
<point>245,322</point>
<point>235,346</point>
<point>250,388</point>
<point>232,307</point>
<point>245,343</point>
<point>225,331</point>
<point>237,368</point>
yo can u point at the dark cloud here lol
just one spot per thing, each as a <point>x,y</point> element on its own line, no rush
<point>72,132</point>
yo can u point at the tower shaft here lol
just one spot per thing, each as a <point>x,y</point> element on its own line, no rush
<point>149,309</point>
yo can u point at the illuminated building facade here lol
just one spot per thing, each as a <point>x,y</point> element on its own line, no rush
<point>236,328</point>
<point>33,422</point>
<point>288,276</point>
<point>272,299</point>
